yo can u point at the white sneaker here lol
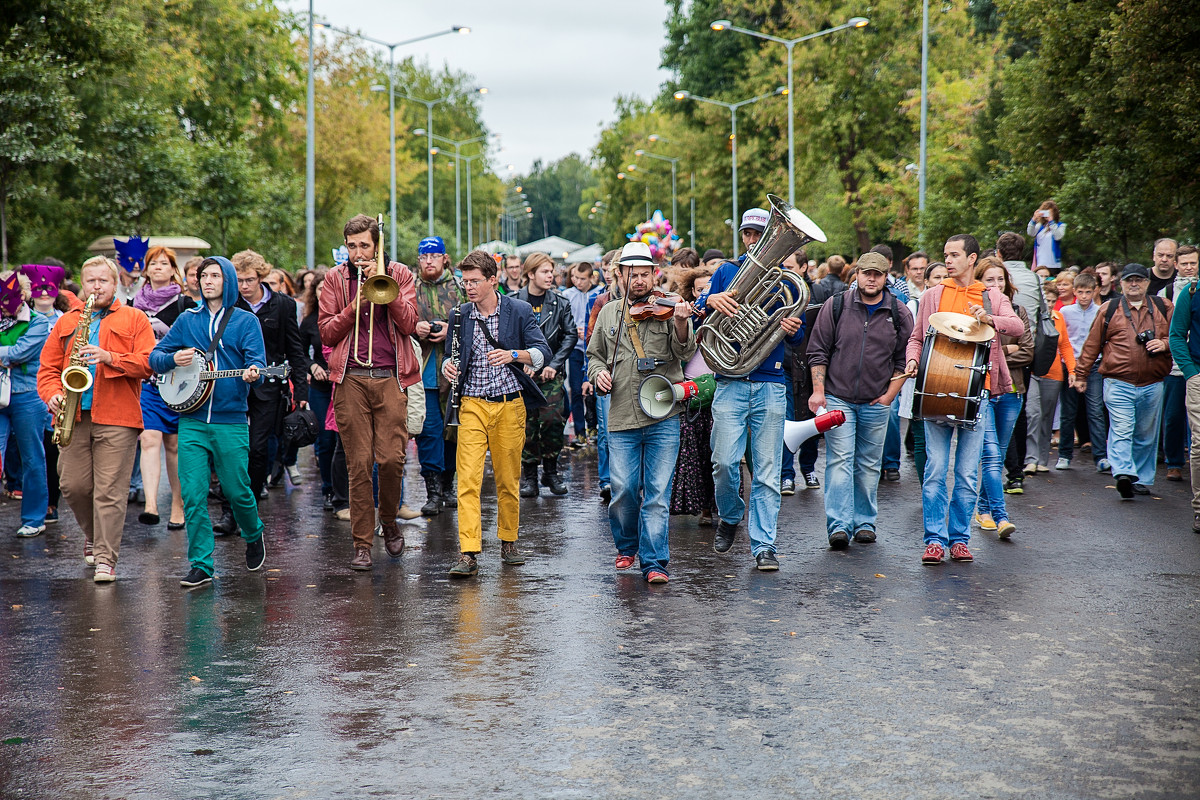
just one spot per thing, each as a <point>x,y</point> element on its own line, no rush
<point>1103,466</point>
<point>294,475</point>
<point>29,531</point>
<point>1063,463</point>
<point>342,514</point>
<point>104,574</point>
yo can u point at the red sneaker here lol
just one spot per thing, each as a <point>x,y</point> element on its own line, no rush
<point>656,577</point>
<point>933,554</point>
<point>624,562</point>
<point>959,552</point>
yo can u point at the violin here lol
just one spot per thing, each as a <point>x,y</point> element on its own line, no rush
<point>658,304</point>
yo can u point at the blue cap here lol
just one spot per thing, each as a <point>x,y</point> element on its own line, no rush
<point>431,244</point>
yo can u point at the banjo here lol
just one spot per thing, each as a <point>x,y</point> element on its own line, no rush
<point>184,389</point>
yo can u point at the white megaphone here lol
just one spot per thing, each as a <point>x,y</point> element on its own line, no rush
<point>658,396</point>
<point>797,433</point>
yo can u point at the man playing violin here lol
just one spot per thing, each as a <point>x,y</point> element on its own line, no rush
<point>622,352</point>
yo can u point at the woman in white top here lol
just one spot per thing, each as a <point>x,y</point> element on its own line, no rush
<point>1047,232</point>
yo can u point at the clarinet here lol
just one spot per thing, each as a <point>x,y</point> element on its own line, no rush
<point>456,360</point>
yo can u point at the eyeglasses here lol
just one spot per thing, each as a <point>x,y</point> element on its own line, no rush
<point>429,256</point>
<point>473,283</point>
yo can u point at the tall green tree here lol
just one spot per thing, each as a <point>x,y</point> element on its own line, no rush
<point>555,194</point>
<point>38,115</point>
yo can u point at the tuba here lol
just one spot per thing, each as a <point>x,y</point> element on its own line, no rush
<point>736,345</point>
<point>76,378</point>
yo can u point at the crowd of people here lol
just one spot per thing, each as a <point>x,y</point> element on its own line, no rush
<point>523,358</point>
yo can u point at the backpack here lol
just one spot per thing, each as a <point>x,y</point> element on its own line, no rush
<point>839,300</point>
<point>1113,305</point>
<point>1045,341</point>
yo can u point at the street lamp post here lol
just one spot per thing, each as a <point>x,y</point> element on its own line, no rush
<point>674,162</point>
<point>391,46</point>
<point>458,160</point>
<point>429,104</point>
<point>732,107</point>
<point>310,159</point>
<point>853,22</point>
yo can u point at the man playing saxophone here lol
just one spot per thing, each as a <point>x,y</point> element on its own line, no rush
<point>96,460</point>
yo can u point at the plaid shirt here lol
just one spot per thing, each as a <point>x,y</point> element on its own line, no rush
<point>483,379</point>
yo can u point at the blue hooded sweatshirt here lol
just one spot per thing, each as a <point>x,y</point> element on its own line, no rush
<point>241,346</point>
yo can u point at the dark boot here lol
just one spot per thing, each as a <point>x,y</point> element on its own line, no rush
<point>433,496</point>
<point>529,484</point>
<point>226,525</point>
<point>550,476</point>
<point>449,496</point>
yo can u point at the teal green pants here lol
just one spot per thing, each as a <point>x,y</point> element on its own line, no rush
<point>227,448</point>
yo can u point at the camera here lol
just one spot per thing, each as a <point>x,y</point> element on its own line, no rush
<point>435,327</point>
<point>1144,337</point>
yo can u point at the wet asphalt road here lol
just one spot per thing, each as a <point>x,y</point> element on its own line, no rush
<point>1061,665</point>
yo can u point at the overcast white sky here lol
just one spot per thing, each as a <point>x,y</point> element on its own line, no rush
<point>552,69</point>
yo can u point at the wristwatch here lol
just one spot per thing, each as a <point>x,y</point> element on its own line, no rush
<point>516,355</point>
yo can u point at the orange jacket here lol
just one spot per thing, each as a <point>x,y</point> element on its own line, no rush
<point>1066,353</point>
<point>117,391</point>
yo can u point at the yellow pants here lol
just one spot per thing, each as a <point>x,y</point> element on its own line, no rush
<point>499,427</point>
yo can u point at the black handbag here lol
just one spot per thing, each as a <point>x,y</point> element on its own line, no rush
<point>300,428</point>
<point>1045,340</point>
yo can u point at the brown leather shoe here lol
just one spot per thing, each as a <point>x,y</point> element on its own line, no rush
<point>393,539</point>
<point>1174,474</point>
<point>362,558</point>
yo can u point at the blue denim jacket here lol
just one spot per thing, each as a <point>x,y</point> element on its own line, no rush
<point>24,357</point>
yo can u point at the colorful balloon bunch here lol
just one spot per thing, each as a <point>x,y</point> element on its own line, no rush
<point>657,234</point>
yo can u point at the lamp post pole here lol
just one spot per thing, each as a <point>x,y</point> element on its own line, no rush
<point>310,159</point>
<point>458,159</point>
<point>391,46</point>
<point>674,162</point>
<point>924,111</point>
<point>790,44</point>
<point>732,108</point>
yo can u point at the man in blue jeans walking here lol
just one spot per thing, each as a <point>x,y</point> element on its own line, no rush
<point>753,405</point>
<point>856,350</point>
<point>641,449</point>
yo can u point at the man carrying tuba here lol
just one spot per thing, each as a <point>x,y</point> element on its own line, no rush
<point>95,466</point>
<point>754,404</point>
<point>371,365</point>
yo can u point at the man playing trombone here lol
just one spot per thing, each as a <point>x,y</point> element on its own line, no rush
<point>371,365</point>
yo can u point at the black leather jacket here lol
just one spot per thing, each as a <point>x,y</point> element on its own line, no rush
<point>558,326</point>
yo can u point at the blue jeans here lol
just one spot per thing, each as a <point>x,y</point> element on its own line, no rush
<point>25,416</point>
<point>787,470</point>
<point>642,461</point>
<point>1174,421</point>
<point>936,499</point>
<point>755,409</point>
<point>1133,415</point>
<point>999,419</point>
<point>1097,424</point>
<point>575,376</point>
<point>891,445</point>
<point>319,398</point>
<point>430,445</point>
<point>853,452</point>
<point>602,402</point>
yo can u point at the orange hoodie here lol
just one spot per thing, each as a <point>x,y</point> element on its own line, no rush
<point>126,334</point>
<point>1066,353</point>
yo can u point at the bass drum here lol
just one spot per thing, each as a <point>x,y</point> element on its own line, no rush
<point>950,380</point>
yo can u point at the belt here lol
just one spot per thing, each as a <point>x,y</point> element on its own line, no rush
<point>500,398</point>
<point>371,372</point>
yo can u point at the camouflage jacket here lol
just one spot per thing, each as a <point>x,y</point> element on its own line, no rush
<point>435,301</point>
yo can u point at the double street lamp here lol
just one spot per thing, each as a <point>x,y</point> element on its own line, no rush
<point>732,108</point>
<point>459,160</point>
<point>391,87</point>
<point>726,25</point>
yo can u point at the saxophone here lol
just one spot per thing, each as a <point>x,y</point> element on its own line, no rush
<point>76,379</point>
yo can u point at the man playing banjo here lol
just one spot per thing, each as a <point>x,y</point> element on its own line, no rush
<point>216,431</point>
<point>961,294</point>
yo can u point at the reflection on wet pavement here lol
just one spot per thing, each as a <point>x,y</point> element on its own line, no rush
<point>1062,664</point>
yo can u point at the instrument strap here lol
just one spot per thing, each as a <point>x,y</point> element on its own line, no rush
<point>212,346</point>
<point>632,327</point>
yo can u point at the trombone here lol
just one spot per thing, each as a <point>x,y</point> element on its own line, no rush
<point>379,289</point>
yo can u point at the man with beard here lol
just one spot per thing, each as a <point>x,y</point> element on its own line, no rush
<point>94,468</point>
<point>372,364</point>
<point>641,449</point>
<point>856,350</point>
<point>437,295</point>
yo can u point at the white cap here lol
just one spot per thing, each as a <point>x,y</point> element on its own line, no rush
<point>755,218</point>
